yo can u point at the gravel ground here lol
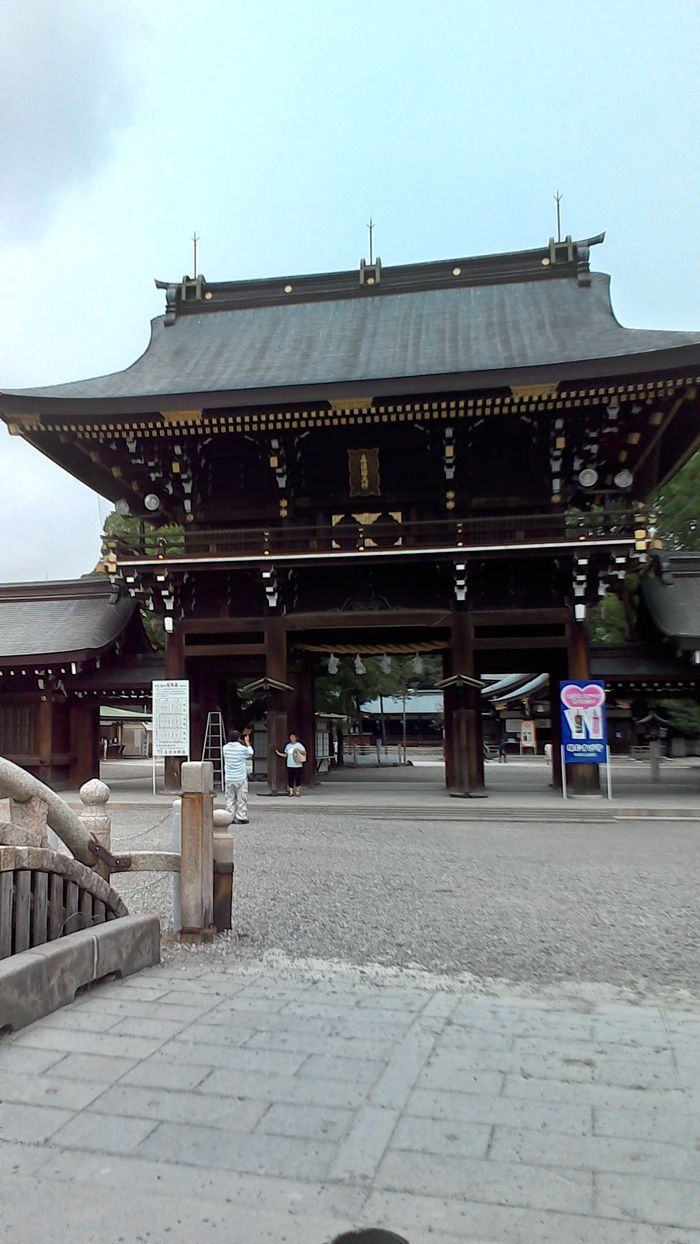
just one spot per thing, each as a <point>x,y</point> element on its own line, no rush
<point>524,905</point>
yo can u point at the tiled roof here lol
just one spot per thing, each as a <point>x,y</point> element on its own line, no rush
<point>44,620</point>
<point>418,322</point>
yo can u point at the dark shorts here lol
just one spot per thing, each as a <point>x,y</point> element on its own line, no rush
<point>293,776</point>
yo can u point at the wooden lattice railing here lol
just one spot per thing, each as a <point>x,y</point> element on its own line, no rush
<point>45,895</point>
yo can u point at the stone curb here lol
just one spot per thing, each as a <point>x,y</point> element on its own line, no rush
<point>41,980</point>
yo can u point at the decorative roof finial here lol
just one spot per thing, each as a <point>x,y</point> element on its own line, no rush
<point>557,199</point>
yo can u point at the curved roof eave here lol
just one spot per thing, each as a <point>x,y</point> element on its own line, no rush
<point>677,361</point>
<point>429,340</point>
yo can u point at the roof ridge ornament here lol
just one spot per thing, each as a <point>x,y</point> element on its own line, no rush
<point>370,273</point>
<point>567,251</point>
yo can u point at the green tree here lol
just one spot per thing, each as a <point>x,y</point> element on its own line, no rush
<point>684,714</point>
<point>677,506</point>
<point>614,620</point>
<point>144,536</point>
<point>346,690</point>
<point>677,509</point>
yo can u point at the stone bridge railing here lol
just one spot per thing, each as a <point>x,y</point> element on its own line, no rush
<point>62,925</point>
<point>46,893</point>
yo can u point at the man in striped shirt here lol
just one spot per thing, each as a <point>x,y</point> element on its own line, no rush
<point>236,754</point>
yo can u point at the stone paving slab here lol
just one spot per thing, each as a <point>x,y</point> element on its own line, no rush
<point>289,1103</point>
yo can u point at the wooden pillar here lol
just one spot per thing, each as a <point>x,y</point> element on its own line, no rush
<point>449,704</point>
<point>44,738</point>
<point>555,732</point>
<point>174,668</point>
<point>306,720</point>
<point>276,717</point>
<point>463,705</point>
<point>581,779</point>
<point>85,741</point>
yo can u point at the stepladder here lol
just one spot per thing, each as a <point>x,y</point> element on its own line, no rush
<point>213,748</point>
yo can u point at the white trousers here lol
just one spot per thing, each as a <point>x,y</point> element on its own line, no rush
<point>237,799</point>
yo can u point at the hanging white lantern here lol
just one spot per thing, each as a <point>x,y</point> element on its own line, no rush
<point>417,664</point>
<point>385,664</point>
<point>360,667</point>
<point>333,664</point>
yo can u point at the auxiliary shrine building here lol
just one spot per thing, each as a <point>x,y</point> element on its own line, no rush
<point>448,457</point>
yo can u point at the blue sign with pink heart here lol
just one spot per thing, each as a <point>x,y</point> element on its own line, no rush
<point>584,732</point>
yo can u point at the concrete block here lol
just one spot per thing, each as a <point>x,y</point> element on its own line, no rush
<point>47,1090</point>
<point>665,1126</point>
<point>594,1094</point>
<point>94,1067</point>
<point>406,1063</point>
<point>158,1073</point>
<point>30,1125</point>
<point>332,1067</point>
<point>127,945</point>
<point>215,1034</point>
<point>33,1212</point>
<point>666,1202</point>
<point>466,1140</point>
<point>508,1111</point>
<point>41,980</point>
<point>313,1122</point>
<point>101,1134</point>
<point>497,1183</point>
<point>595,1153</point>
<point>41,1037</point>
<point>260,1154</point>
<point>309,1041</point>
<point>197,777</point>
<point>423,1218</point>
<point>146,1027</point>
<point>362,1150</point>
<point>166,1106</point>
<point>78,1018</point>
<point>199,1053</point>
<point>294,1089</point>
<point>16,1058</point>
<point>226,1189</point>
<point>633,1073</point>
<point>23,979</point>
<point>464,1080</point>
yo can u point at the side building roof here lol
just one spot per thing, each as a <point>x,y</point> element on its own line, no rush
<point>42,623</point>
<point>672,599</point>
<point>484,322</point>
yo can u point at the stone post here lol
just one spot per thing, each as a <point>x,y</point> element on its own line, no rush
<point>197,851</point>
<point>96,819</point>
<point>223,868</point>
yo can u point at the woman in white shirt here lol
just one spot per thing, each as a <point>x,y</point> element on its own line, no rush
<point>295,754</point>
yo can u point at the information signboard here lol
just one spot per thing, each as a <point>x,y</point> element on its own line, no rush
<point>583,724</point>
<point>171,717</point>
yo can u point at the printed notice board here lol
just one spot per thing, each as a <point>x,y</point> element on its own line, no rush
<point>583,724</point>
<point>171,717</point>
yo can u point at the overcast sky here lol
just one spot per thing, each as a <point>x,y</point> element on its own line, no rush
<point>275,128</point>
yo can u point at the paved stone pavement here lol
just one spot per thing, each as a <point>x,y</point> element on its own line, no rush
<point>211,1102</point>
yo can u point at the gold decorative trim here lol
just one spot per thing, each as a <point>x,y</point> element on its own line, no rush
<point>181,416</point>
<point>23,423</point>
<point>345,404</point>
<point>524,392</point>
<point>548,399</point>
